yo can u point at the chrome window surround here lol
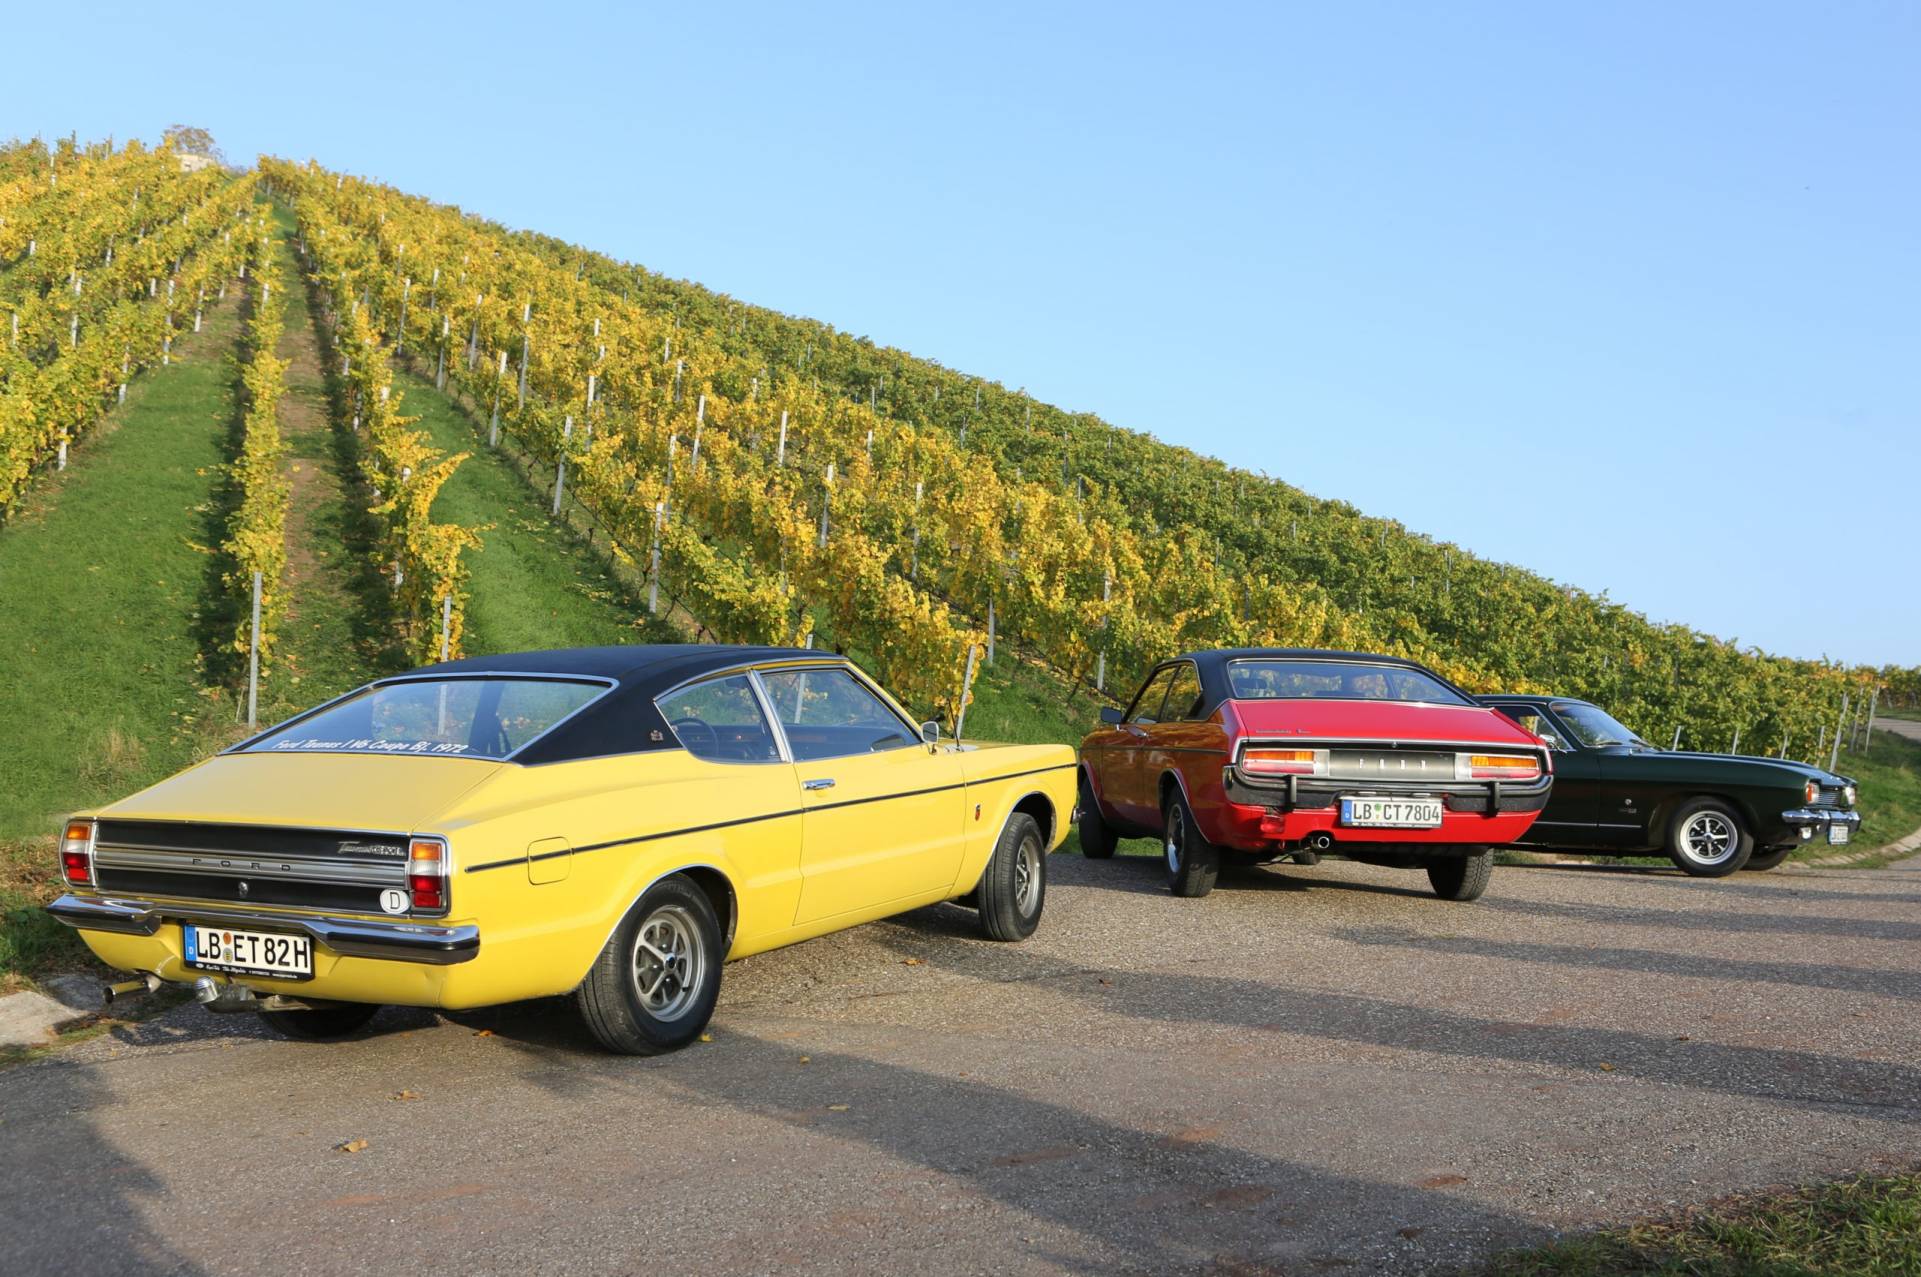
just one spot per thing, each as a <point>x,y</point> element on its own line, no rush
<point>1465,701</point>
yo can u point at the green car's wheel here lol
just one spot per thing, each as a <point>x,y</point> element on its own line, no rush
<point>1013,887</point>
<point>1706,840</point>
<point>1461,878</point>
<point>323,1024</point>
<point>654,986</point>
<point>1097,837</point>
<point>1193,863</point>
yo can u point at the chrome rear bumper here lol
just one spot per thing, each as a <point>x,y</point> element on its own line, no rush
<point>353,938</point>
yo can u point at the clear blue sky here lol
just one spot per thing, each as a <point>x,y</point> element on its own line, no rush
<point>1630,295</point>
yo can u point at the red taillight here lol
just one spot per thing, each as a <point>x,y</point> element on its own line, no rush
<point>427,875</point>
<point>76,854</point>
<point>1503,767</point>
<point>1267,761</point>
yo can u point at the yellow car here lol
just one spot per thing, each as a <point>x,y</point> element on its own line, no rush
<point>608,822</point>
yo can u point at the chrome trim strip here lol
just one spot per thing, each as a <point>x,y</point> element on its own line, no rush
<point>353,938</point>
<point>1812,816</point>
<point>237,865</point>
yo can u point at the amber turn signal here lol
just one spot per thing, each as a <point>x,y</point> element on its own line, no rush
<point>1503,767</point>
<point>1279,762</point>
<point>427,870</point>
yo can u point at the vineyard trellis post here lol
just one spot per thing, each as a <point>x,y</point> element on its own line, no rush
<point>253,657</point>
<point>653,562</point>
<point>1874,699</point>
<point>446,623</point>
<point>1735,748</point>
<point>826,500</point>
<point>1834,754</point>
<point>780,452</point>
<point>560,466</point>
<point>400,337</point>
<point>967,686</point>
<point>1676,742</point>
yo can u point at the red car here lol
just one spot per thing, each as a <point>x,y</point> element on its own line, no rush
<point>1265,753</point>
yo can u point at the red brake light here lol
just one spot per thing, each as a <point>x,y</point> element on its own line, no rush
<point>427,870</point>
<point>76,854</point>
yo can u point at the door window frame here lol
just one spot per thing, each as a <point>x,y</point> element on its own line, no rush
<point>782,754</point>
<point>1135,706</point>
<point>1200,692</point>
<point>887,702</point>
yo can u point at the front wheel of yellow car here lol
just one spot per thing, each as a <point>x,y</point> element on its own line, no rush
<point>653,988</point>
<point>1013,888</point>
<point>322,1024</point>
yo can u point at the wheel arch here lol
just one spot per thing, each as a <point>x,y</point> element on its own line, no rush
<point>1662,817</point>
<point>1038,805</point>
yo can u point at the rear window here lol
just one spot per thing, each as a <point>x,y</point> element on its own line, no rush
<point>1263,680</point>
<point>446,718</point>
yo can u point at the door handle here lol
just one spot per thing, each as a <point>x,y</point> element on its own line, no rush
<point>825,782</point>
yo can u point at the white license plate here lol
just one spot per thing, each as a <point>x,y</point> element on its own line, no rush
<point>248,952</point>
<point>1392,813</point>
<point>1838,834</point>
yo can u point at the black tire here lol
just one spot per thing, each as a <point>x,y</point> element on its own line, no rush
<point>323,1024</point>
<point>1707,840</point>
<point>1013,887</point>
<point>1193,863</point>
<point>1097,837</point>
<point>1769,858</point>
<point>1461,878</point>
<point>646,998</point>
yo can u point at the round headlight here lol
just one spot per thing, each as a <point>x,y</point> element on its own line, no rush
<point>1847,793</point>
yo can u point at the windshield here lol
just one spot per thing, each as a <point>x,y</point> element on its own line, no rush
<point>449,717</point>
<point>1257,680</point>
<point>1594,727</point>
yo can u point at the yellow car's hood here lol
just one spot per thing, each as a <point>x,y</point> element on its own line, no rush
<point>397,794</point>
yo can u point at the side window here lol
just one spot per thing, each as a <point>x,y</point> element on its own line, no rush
<point>1146,709</point>
<point>828,713</point>
<point>720,720</point>
<point>1533,720</point>
<point>1183,695</point>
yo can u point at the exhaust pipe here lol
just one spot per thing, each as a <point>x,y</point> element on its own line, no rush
<point>1320,841</point>
<point>215,996</point>
<point>111,993</point>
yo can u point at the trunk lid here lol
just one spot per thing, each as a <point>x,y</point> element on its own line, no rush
<point>398,794</point>
<point>1335,720</point>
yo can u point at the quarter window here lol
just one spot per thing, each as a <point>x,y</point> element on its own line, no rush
<point>828,713</point>
<point>1533,720</point>
<point>720,720</point>
<point>1146,709</point>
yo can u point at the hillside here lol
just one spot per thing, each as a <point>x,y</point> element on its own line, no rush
<point>956,510</point>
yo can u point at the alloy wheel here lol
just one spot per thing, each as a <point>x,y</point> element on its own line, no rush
<point>1708,838</point>
<point>669,962</point>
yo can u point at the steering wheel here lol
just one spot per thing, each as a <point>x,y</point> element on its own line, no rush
<point>690,724</point>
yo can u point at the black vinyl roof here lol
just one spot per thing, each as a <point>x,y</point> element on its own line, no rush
<point>624,721</point>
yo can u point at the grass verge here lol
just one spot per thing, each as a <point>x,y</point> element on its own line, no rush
<point>1864,1227</point>
<point>1888,772</point>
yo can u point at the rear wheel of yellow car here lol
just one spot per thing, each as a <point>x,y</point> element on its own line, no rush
<point>653,988</point>
<point>322,1024</point>
<point>1013,888</point>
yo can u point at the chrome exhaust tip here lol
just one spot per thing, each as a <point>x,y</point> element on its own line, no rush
<point>205,989</point>
<point>1318,842</point>
<point>111,993</point>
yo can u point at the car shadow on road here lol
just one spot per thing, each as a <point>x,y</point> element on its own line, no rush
<point>70,1201</point>
<point>1174,1200</point>
<point>1775,886</point>
<point>1890,984</point>
<point>1773,1074</point>
<point>1710,920</point>
<point>1147,875</point>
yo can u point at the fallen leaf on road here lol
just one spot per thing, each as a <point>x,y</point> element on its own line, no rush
<point>484,1033</point>
<point>910,962</point>
<point>1409,1233</point>
<point>836,1108</point>
<point>1684,1038</point>
<point>706,1037</point>
<point>351,1146</point>
<point>1441,1181</point>
<point>1607,1068</point>
<point>806,1059</point>
<point>406,1095</point>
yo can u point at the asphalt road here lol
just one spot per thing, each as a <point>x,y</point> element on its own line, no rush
<point>1308,1071</point>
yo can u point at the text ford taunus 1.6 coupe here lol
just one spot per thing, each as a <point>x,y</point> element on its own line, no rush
<point>607,822</point>
<point>1711,814</point>
<point>1267,752</point>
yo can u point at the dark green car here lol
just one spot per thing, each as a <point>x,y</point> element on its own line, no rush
<point>1710,813</point>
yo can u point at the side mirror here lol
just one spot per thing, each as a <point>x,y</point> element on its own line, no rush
<point>930,732</point>
<point>1111,716</point>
